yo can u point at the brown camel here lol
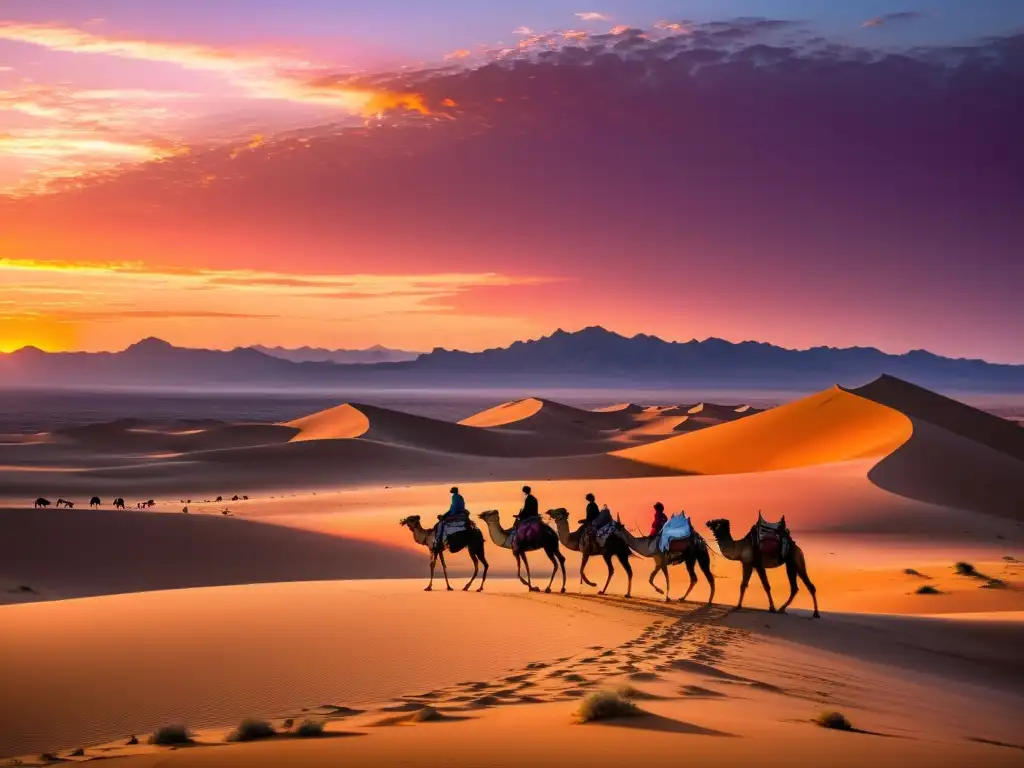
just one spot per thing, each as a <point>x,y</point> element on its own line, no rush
<point>548,542</point>
<point>95,501</point>
<point>614,546</point>
<point>696,553</point>
<point>41,502</point>
<point>472,540</point>
<point>753,559</point>
<point>118,503</point>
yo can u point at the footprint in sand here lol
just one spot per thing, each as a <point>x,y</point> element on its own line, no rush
<point>696,691</point>
<point>572,693</point>
<point>707,670</point>
<point>515,678</point>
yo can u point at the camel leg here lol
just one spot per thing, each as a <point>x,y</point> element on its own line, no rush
<point>624,560</point>
<point>476,567</point>
<point>747,571</point>
<point>561,564</point>
<point>529,578</point>
<point>704,561</point>
<point>793,588</point>
<point>444,570</point>
<point>801,569</point>
<point>554,569</point>
<point>519,570</point>
<point>693,579</point>
<point>657,569</point>
<point>433,563</point>
<point>763,575</point>
<point>486,566</point>
<point>611,571</point>
<point>583,568</point>
<point>668,586</point>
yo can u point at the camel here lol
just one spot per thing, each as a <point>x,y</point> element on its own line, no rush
<point>94,502</point>
<point>184,510</point>
<point>614,546</point>
<point>64,503</point>
<point>149,503</point>
<point>118,503</point>
<point>695,554</point>
<point>219,498</point>
<point>235,497</point>
<point>472,540</point>
<point>41,502</point>
<point>752,559</point>
<point>548,542</point>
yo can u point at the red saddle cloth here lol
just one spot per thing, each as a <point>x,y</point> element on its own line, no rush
<point>770,544</point>
<point>527,533</point>
<point>679,545</point>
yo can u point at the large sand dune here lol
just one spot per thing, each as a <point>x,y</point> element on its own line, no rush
<point>830,426</point>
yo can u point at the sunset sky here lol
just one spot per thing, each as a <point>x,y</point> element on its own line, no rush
<point>464,174</point>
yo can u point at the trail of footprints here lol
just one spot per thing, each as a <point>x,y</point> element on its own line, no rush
<point>672,647</point>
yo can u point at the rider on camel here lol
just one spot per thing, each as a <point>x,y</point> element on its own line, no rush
<point>530,508</point>
<point>660,518</point>
<point>456,509</point>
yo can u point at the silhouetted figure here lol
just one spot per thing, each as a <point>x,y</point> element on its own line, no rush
<point>41,502</point>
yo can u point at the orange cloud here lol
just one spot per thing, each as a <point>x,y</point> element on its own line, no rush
<point>107,305</point>
<point>462,53</point>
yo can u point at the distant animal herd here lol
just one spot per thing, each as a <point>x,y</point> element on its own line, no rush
<point>118,503</point>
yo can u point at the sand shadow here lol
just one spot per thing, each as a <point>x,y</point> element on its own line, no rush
<point>425,715</point>
<point>685,665</point>
<point>652,722</point>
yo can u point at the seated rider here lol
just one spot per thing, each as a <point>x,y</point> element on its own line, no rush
<point>530,510</point>
<point>660,518</point>
<point>456,509</point>
<point>592,511</point>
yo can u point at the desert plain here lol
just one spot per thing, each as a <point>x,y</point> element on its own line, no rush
<point>289,594</point>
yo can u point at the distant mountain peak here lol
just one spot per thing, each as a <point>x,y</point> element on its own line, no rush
<point>150,343</point>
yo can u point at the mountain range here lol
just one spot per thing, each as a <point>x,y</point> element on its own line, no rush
<point>374,354</point>
<point>591,358</point>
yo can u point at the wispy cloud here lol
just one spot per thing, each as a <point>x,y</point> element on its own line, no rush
<point>888,18</point>
<point>522,31</point>
<point>121,295</point>
<point>76,137</point>
<point>592,16</point>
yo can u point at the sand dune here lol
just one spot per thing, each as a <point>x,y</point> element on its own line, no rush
<point>96,552</point>
<point>703,678</point>
<point>830,426</point>
<point>132,436</point>
<point>921,404</point>
<point>383,425</point>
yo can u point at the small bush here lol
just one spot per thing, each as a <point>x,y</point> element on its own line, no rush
<point>927,589</point>
<point>310,729</point>
<point>132,741</point>
<point>913,572</point>
<point>965,569</point>
<point>835,720</point>
<point>252,730</point>
<point>170,735</point>
<point>48,757</point>
<point>80,752</point>
<point>630,693</point>
<point>606,705</point>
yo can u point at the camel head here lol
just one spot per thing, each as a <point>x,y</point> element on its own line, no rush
<point>718,525</point>
<point>410,521</point>
<point>558,514</point>
<point>489,514</point>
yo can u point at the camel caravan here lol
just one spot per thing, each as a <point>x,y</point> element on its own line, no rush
<point>671,541</point>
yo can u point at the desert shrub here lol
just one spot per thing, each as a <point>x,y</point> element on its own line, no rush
<point>912,572</point>
<point>605,705</point>
<point>631,693</point>
<point>132,741</point>
<point>48,757</point>
<point>310,728</point>
<point>927,589</point>
<point>834,720</point>
<point>170,735</point>
<point>80,752</point>
<point>965,569</point>
<point>252,730</point>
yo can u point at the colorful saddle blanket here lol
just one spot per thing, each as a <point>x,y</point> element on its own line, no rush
<point>527,534</point>
<point>676,533</point>
<point>772,539</point>
<point>448,528</point>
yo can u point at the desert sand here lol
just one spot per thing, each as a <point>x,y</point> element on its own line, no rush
<point>304,601</point>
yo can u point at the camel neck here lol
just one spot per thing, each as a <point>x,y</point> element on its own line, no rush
<point>726,544</point>
<point>568,539</point>
<point>498,534</point>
